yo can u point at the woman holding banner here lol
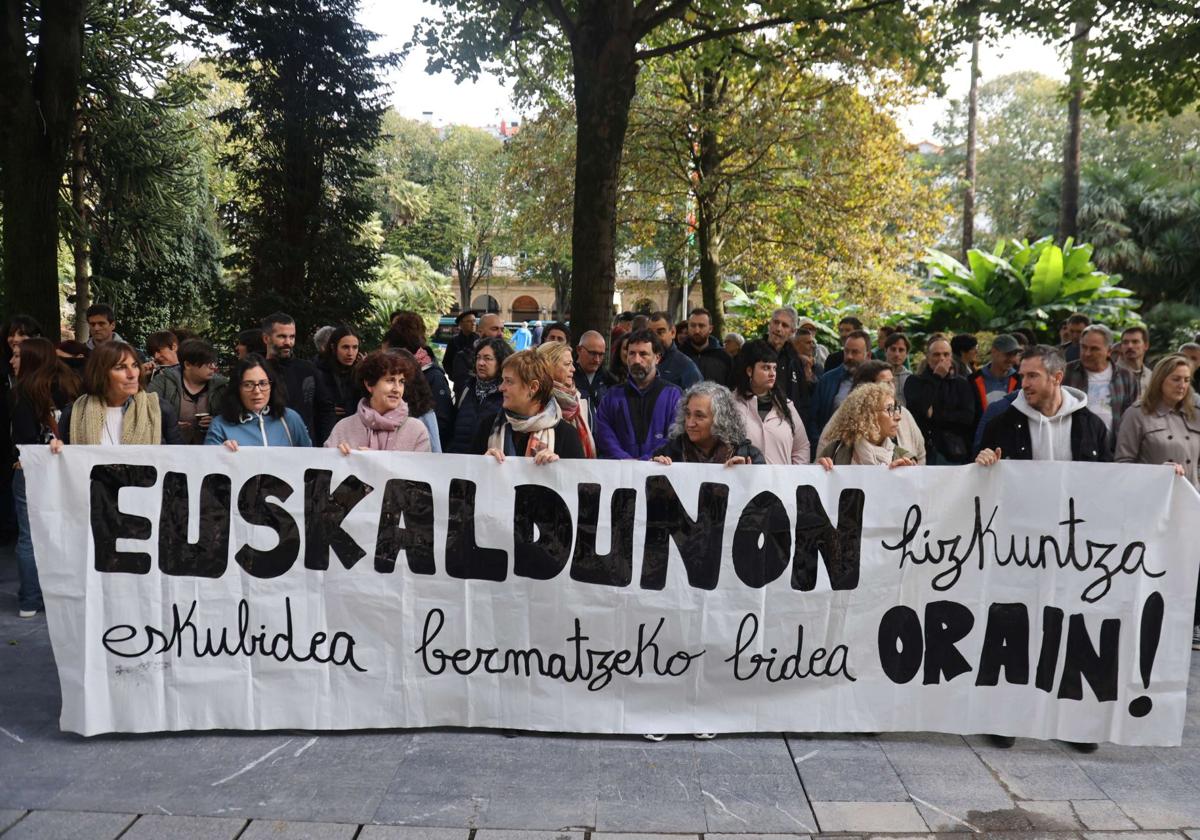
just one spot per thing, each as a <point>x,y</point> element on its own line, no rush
<point>1165,428</point>
<point>572,406</point>
<point>708,429</point>
<point>863,430</point>
<point>908,434</point>
<point>254,412</point>
<point>772,423</point>
<point>530,423</point>
<point>381,421</point>
<point>114,410</point>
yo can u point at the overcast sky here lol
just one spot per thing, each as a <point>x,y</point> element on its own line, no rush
<point>486,101</point>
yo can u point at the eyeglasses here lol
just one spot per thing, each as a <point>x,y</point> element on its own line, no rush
<point>261,385</point>
<point>893,410</point>
<point>595,354</point>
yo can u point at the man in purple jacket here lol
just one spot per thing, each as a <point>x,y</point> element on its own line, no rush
<point>633,419</point>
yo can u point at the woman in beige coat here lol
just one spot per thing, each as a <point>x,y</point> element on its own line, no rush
<point>1164,426</point>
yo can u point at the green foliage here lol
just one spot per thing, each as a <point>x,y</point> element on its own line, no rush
<point>1172,324</point>
<point>139,187</point>
<point>750,312</point>
<point>539,189</point>
<point>1023,285</point>
<point>299,146</point>
<point>405,282</point>
<point>178,287</point>
<point>454,186</point>
<point>1022,117</point>
<point>1144,224</point>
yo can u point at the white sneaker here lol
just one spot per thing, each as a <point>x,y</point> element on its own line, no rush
<point>27,613</point>
<point>654,738</point>
<point>704,736</point>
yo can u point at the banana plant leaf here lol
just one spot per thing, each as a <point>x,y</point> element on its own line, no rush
<point>1078,261</point>
<point>1046,282</point>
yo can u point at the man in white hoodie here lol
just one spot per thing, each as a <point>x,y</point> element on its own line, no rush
<point>1047,421</point>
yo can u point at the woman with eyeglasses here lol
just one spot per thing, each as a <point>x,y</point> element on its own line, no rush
<point>253,412</point>
<point>381,421</point>
<point>908,434</point>
<point>863,430</point>
<point>480,397</point>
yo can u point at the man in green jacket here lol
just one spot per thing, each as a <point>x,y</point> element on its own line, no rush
<point>196,393</point>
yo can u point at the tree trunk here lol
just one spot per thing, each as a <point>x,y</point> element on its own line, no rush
<point>605,74</point>
<point>560,275</point>
<point>673,273</point>
<point>464,269</point>
<point>80,231</point>
<point>36,110</point>
<point>708,227</point>
<point>1068,219</point>
<point>968,233</point>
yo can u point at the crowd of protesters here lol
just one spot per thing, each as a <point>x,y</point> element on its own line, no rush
<point>652,389</point>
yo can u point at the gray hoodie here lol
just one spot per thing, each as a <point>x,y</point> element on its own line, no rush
<point>1050,437</point>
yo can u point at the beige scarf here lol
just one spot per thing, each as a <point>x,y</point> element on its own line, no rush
<point>540,427</point>
<point>142,424</point>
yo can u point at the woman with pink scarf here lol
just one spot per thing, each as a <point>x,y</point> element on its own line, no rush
<point>381,422</point>
<point>572,406</point>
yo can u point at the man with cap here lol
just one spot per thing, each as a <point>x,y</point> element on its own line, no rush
<point>998,378</point>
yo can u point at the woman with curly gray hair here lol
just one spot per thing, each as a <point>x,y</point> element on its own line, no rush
<point>708,429</point>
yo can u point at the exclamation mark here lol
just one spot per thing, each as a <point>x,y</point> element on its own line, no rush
<point>1152,617</point>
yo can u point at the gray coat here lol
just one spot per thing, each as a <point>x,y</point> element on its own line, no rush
<point>1160,437</point>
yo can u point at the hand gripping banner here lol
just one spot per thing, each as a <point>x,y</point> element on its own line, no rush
<point>195,588</point>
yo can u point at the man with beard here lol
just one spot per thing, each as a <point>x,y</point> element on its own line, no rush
<point>702,347</point>
<point>304,392</point>
<point>836,383</point>
<point>633,419</point>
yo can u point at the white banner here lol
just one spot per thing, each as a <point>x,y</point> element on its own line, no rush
<point>195,588</point>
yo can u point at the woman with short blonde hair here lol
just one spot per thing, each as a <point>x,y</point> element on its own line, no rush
<point>529,423</point>
<point>572,406</point>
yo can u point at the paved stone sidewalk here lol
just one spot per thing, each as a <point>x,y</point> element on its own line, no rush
<point>480,785</point>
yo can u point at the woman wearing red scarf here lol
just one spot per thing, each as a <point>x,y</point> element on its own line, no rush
<point>572,406</point>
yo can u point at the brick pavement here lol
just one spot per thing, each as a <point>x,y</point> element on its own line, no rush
<point>479,785</point>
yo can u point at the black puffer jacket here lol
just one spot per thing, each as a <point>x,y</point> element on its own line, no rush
<point>714,363</point>
<point>471,412</point>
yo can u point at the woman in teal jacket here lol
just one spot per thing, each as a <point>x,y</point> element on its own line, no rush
<point>254,412</point>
